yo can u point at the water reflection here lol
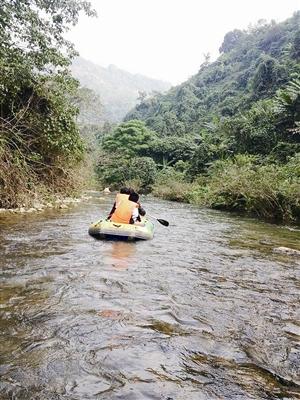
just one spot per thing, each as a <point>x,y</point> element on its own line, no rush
<point>120,255</point>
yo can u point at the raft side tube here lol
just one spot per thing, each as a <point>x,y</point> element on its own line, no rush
<point>104,229</point>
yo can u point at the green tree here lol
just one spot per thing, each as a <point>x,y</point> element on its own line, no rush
<point>130,139</point>
<point>40,142</point>
<point>169,150</point>
<point>269,75</point>
<point>116,171</point>
<point>287,107</point>
<point>230,40</point>
<point>211,146</point>
<point>142,169</point>
<point>254,131</point>
<point>296,46</point>
<point>32,31</point>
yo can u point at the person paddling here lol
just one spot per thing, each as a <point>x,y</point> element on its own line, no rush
<point>126,211</point>
<point>124,195</point>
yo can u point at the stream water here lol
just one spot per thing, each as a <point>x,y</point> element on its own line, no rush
<point>205,310</point>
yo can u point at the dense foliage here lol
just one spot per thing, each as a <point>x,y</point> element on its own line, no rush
<point>242,183</point>
<point>39,140</point>
<point>134,152</point>
<point>229,137</point>
<point>124,157</point>
<point>252,66</point>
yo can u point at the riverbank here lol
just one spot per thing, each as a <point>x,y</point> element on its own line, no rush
<point>199,195</point>
<point>22,191</point>
<point>38,206</point>
<point>268,192</point>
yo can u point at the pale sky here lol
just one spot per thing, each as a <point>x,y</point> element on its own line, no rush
<point>167,39</point>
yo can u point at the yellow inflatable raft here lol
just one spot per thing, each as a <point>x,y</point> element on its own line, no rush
<point>105,229</point>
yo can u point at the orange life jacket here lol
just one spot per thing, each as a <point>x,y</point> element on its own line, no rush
<point>123,212</point>
<point>120,197</point>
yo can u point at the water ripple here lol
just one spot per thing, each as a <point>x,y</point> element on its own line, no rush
<point>206,310</point>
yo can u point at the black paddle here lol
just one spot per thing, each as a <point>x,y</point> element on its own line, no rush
<point>161,221</point>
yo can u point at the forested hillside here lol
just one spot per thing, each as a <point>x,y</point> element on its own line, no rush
<point>229,137</point>
<point>118,90</point>
<point>252,65</point>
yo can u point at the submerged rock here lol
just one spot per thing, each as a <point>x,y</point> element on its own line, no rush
<point>287,250</point>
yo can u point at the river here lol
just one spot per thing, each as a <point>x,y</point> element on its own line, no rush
<point>205,310</point>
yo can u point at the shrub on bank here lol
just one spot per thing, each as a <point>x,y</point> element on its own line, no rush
<point>241,184</point>
<point>41,150</point>
<point>114,170</point>
<point>170,185</point>
<point>22,186</point>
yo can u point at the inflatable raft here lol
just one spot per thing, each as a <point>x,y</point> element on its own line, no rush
<point>105,229</point>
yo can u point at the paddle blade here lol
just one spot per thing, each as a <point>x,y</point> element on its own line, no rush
<point>163,222</point>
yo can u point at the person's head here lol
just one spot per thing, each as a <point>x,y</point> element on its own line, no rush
<point>131,190</point>
<point>133,197</point>
<point>124,190</point>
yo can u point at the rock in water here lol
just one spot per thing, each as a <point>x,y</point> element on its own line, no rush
<point>287,250</point>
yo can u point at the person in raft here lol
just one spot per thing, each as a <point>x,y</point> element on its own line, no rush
<point>126,211</point>
<point>123,195</point>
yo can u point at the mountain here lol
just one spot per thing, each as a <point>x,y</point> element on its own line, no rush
<point>119,90</point>
<point>252,66</point>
